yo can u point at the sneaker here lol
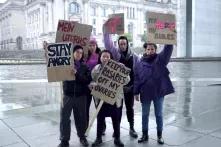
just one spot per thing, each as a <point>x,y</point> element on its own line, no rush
<point>84,141</point>
<point>160,140</point>
<point>118,142</point>
<point>97,142</point>
<point>64,144</point>
<point>133,133</point>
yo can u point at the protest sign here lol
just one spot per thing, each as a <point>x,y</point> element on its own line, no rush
<point>112,77</point>
<point>161,28</point>
<point>70,31</point>
<point>59,62</point>
<point>115,24</point>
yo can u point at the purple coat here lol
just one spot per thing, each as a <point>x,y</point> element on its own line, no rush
<point>151,79</point>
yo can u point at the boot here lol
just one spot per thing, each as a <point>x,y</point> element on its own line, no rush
<point>118,142</point>
<point>133,133</point>
<point>84,141</point>
<point>144,137</point>
<point>159,137</point>
<point>97,142</point>
<point>64,144</point>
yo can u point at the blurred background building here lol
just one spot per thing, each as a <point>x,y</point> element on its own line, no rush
<point>25,24</point>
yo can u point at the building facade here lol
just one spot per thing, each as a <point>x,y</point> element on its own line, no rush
<point>12,25</point>
<point>40,18</point>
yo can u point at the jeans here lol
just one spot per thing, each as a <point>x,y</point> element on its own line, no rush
<point>158,109</point>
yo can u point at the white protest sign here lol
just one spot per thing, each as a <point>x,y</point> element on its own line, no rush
<point>161,28</point>
<point>78,34</point>
<point>59,62</point>
<point>112,77</point>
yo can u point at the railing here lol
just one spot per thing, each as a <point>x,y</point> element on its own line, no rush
<point>8,61</point>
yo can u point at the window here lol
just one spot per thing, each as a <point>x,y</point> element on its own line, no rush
<point>94,21</point>
<point>133,16</point>
<point>74,8</point>
<point>94,31</point>
<point>130,28</point>
<point>113,11</point>
<point>93,11</point>
<point>103,12</point>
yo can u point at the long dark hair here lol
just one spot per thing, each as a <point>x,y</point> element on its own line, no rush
<point>76,47</point>
<point>97,51</point>
<point>104,51</point>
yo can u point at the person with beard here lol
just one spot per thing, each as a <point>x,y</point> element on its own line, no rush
<point>124,55</point>
<point>152,82</point>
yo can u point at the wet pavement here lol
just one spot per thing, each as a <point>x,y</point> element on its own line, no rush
<point>29,109</point>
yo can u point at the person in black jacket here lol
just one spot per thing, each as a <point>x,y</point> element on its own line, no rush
<point>75,99</point>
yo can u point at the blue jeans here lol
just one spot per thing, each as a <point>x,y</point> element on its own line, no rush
<point>158,109</point>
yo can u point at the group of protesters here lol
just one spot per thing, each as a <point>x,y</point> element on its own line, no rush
<point>147,82</point>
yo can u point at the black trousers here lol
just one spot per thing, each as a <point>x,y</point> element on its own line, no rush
<point>78,106</point>
<point>112,111</point>
<point>89,99</point>
<point>129,103</point>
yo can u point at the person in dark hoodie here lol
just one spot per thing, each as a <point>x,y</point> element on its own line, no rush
<point>124,55</point>
<point>75,99</point>
<point>152,82</point>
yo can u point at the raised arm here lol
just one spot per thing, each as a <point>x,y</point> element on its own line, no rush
<point>109,45</point>
<point>165,54</point>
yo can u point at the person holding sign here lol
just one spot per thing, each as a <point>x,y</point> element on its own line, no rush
<point>152,82</point>
<point>91,61</point>
<point>124,55</point>
<point>107,110</point>
<point>75,99</point>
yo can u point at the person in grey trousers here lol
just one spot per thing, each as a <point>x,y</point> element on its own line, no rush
<point>75,99</point>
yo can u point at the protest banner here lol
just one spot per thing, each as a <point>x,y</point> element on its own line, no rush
<point>161,28</point>
<point>112,77</point>
<point>70,31</point>
<point>59,61</point>
<point>115,24</point>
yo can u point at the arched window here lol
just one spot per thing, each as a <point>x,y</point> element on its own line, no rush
<point>74,8</point>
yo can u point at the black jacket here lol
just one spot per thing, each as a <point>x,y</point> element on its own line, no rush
<point>78,86</point>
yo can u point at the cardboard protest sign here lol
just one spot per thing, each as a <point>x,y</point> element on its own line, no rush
<point>161,28</point>
<point>70,31</point>
<point>59,62</point>
<point>115,24</point>
<point>112,77</point>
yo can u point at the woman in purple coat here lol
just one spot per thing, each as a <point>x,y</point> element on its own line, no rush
<point>152,82</point>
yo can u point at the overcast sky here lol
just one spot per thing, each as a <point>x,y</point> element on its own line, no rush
<point>2,1</point>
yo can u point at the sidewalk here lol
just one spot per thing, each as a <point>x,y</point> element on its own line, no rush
<point>29,111</point>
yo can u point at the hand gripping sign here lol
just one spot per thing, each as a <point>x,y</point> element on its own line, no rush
<point>111,79</point>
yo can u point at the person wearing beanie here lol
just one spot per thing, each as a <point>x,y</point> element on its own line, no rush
<point>91,62</point>
<point>75,99</point>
